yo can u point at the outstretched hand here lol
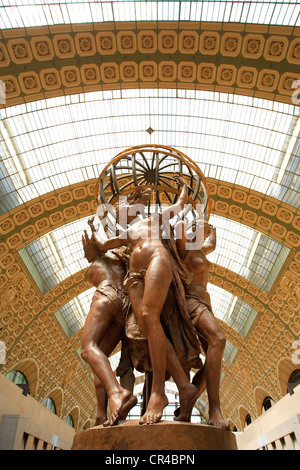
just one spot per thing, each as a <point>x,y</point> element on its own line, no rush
<point>179,179</point>
<point>88,246</point>
<point>92,245</point>
<point>85,239</point>
<point>95,237</point>
<point>91,224</point>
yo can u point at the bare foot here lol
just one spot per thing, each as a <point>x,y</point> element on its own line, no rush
<point>116,404</point>
<point>130,403</point>
<point>216,419</point>
<point>154,409</point>
<point>100,420</point>
<point>187,398</point>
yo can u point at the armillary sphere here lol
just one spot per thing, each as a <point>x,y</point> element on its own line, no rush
<point>152,166</point>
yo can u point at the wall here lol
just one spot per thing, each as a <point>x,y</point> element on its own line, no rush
<point>276,429</point>
<point>27,424</point>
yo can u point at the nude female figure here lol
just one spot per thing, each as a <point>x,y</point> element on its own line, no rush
<point>200,311</point>
<point>104,328</point>
<point>149,278</point>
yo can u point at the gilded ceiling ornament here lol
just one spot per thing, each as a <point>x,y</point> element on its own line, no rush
<point>127,42</point>
<point>206,73</point>
<point>264,223</point>
<point>253,46</point>
<point>148,71</point>
<point>50,79</point>
<point>2,58</point>
<point>85,44</point>
<point>64,46</point>
<point>9,86</point>
<point>247,77</point>
<point>167,71</point>
<point>269,208</point>
<point>285,215</point>
<point>19,51</point>
<point>231,44</point>
<point>254,202</point>
<point>167,41</point>
<point>109,72</point>
<point>227,74</point>
<point>210,43</point>
<point>276,48</point>
<point>288,83</point>
<point>90,73</point>
<point>188,42</point>
<point>187,71</point>
<point>268,79</point>
<point>296,51</point>
<point>147,41</point>
<point>70,76</point>
<point>106,43</point>
<point>42,48</point>
<point>129,71</point>
<point>29,82</point>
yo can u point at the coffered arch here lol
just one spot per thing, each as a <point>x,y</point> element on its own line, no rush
<point>214,79</point>
<point>251,60</point>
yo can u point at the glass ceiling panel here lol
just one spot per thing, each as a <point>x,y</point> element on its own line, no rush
<point>231,310</point>
<point>76,310</point>
<point>229,353</point>
<point>247,252</point>
<point>59,254</point>
<point>29,13</point>
<point>49,144</point>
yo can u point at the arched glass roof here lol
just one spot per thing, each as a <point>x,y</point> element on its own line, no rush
<point>241,249</point>
<point>52,143</point>
<point>18,13</point>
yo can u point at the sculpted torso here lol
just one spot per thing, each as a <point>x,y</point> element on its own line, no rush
<point>107,267</point>
<point>145,239</point>
<point>198,264</point>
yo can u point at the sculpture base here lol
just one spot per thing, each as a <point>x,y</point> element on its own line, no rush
<point>165,435</point>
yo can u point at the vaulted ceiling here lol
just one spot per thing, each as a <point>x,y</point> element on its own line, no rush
<point>220,82</point>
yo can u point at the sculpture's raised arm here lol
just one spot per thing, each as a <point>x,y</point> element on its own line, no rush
<point>174,209</point>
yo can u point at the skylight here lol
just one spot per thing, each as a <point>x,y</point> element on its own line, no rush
<point>75,312</point>
<point>231,310</point>
<point>247,252</point>
<point>30,13</point>
<point>57,142</point>
<point>58,254</point>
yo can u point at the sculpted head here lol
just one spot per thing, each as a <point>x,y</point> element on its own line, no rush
<point>129,207</point>
<point>204,226</point>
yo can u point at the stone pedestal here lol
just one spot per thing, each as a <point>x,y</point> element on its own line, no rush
<point>165,435</point>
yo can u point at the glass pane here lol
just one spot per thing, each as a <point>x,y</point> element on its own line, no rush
<point>240,140</point>
<point>24,13</point>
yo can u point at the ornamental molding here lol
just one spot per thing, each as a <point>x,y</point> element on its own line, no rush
<point>252,60</point>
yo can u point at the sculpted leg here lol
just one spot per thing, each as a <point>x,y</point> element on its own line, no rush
<point>94,333</point>
<point>147,305</point>
<point>208,327</point>
<point>101,396</point>
<point>187,392</point>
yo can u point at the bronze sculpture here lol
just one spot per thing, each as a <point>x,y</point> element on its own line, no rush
<point>169,318</point>
<point>108,310</point>
<point>200,310</point>
<point>148,281</point>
